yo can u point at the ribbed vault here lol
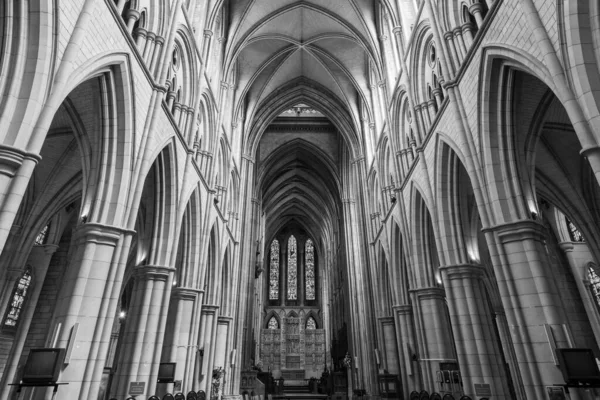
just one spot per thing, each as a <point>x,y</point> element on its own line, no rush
<point>331,44</point>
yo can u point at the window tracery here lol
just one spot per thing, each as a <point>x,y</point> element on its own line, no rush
<point>18,299</point>
<point>309,251</point>
<point>292,276</point>
<point>311,324</point>
<point>274,271</point>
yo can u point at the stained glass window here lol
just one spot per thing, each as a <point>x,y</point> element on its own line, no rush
<point>18,298</point>
<point>273,323</point>
<point>594,285</point>
<point>311,323</point>
<point>292,278</point>
<point>574,233</point>
<point>274,271</point>
<point>40,239</point>
<point>309,251</point>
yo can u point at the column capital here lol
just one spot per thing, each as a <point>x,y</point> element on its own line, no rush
<point>208,33</point>
<point>208,309</point>
<point>448,35</point>
<point>430,292</point>
<point>468,27</point>
<point>463,271</point>
<point>518,231</point>
<point>476,7</point>
<point>141,32</point>
<point>402,308</point>
<point>397,30</point>
<point>224,319</point>
<point>11,159</point>
<point>159,40</point>
<point>133,14</point>
<point>185,293</point>
<point>386,320</point>
<point>49,248</point>
<point>153,272</point>
<point>99,233</point>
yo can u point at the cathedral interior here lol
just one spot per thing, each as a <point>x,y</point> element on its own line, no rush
<point>356,198</point>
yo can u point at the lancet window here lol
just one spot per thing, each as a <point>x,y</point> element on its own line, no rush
<point>42,237</point>
<point>17,300</point>
<point>309,251</point>
<point>292,276</point>
<point>311,323</point>
<point>594,285</point>
<point>574,233</point>
<point>274,271</point>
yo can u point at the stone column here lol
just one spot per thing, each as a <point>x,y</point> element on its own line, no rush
<point>460,43</point>
<point>207,342</point>
<point>153,65</point>
<point>140,39</point>
<point>468,30</point>
<point>282,272</point>
<point>388,356</point>
<point>301,271</point>
<point>132,17</point>
<point>531,300</point>
<point>144,329</point>
<point>436,341</point>
<point>476,342</point>
<point>149,47</point>
<point>420,121</point>
<point>222,351</point>
<point>87,303</point>
<point>182,348</point>
<point>437,94</point>
<point>477,10</point>
<point>16,167</point>
<point>405,328</point>
<point>454,59</point>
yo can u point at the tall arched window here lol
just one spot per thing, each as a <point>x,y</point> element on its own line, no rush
<point>574,233</point>
<point>17,300</point>
<point>42,237</point>
<point>274,271</point>
<point>309,251</point>
<point>594,285</point>
<point>292,277</point>
<point>311,323</point>
<point>273,323</point>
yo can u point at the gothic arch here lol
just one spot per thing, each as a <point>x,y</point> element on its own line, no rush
<point>424,241</point>
<point>272,314</point>
<point>165,193</point>
<point>315,316</point>
<point>312,94</point>
<point>458,207</point>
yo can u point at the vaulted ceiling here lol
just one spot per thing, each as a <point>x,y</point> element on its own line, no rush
<point>324,44</point>
<point>319,53</point>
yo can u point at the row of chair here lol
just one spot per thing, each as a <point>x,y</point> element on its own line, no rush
<point>424,395</point>
<point>199,395</point>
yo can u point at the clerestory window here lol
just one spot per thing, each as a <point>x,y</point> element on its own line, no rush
<point>18,298</point>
